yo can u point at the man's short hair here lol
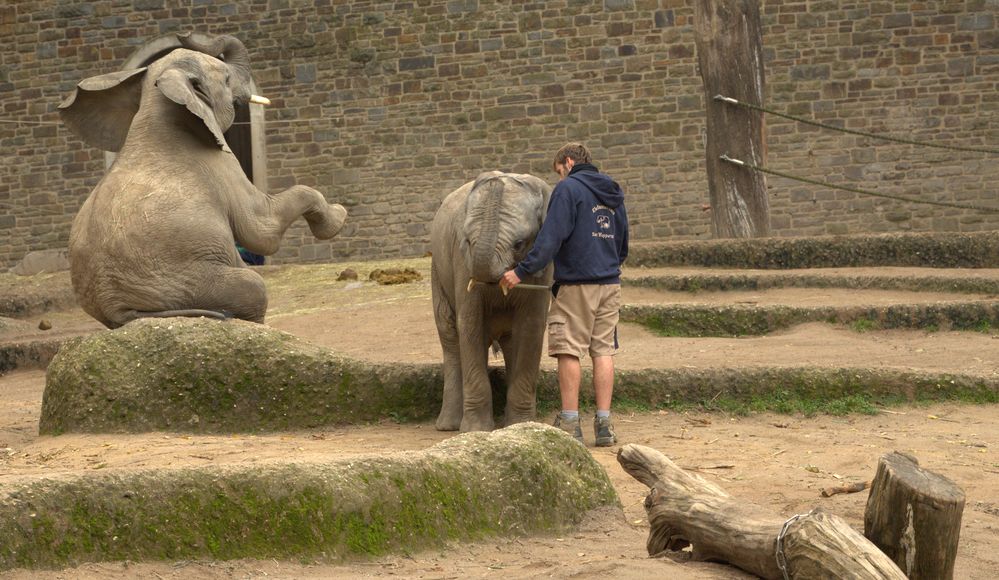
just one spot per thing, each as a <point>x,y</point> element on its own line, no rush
<point>575,151</point>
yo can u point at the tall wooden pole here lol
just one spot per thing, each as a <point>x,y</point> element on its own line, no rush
<point>730,55</point>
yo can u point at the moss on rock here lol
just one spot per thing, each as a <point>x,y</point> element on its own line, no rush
<point>197,375</point>
<point>525,479</point>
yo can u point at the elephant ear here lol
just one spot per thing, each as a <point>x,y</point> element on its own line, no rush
<point>538,186</point>
<point>175,83</point>
<point>100,109</point>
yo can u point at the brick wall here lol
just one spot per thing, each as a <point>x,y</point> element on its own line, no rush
<point>388,106</point>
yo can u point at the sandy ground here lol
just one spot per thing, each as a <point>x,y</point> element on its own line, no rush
<point>780,462</point>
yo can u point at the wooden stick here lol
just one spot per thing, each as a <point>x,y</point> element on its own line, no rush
<point>472,282</point>
<point>852,488</point>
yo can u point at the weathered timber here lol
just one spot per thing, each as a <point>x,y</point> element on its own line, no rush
<point>687,510</point>
<point>822,545</point>
<point>914,516</point>
<point>730,57</point>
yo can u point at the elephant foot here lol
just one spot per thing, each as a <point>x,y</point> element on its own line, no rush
<point>331,223</point>
<point>519,417</point>
<point>476,424</point>
<point>448,423</point>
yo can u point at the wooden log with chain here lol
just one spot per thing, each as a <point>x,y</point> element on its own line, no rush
<point>914,516</point>
<point>687,510</point>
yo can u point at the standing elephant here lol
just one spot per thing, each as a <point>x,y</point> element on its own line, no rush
<point>481,230</point>
<point>158,235</point>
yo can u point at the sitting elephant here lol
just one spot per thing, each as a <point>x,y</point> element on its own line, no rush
<point>481,230</point>
<point>158,235</point>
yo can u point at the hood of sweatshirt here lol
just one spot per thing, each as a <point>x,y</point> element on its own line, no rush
<point>607,191</point>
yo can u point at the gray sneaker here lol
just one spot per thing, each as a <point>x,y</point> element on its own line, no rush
<point>570,426</point>
<point>604,432</point>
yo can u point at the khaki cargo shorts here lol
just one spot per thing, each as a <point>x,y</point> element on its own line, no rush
<point>583,319</point>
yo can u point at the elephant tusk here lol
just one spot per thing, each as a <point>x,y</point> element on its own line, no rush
<point>259,100</point>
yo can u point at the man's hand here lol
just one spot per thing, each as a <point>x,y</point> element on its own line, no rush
<point>509,280</point>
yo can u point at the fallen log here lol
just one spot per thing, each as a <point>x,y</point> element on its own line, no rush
<point>914,516</point>
<point>687,510</point>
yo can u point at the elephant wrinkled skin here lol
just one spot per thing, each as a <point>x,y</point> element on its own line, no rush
<point>481,230</point>
<point>158,235</point>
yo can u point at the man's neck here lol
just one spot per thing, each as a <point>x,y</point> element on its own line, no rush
<point>583,167</point>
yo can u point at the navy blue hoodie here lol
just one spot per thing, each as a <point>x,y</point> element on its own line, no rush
<point>585,230</point>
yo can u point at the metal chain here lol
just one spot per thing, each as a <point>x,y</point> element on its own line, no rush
<point>982,208</point>
<point>779,553</point>
<point>737,103</point>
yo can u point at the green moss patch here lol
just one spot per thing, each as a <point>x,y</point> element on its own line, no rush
<point>787,389</point>
<point>930,250</point>
<point>695,320</point>
<point>525,479</point>
<point>204,376</point>
<point>710,282</point>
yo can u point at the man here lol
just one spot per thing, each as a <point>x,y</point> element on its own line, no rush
<point>586,233</point>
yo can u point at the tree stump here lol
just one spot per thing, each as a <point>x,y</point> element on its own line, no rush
<point>914,516</point>
<point>686,510</point>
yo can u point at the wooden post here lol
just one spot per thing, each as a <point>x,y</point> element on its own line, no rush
<point>914,516</point>
<point>730,57</point>
<point>686,510</point>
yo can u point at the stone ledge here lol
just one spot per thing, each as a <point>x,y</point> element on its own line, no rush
<point>711,282</point>
<point>697,321</point>
<point>34,354</point>
<point>200,380</point>
<point>930,250</point>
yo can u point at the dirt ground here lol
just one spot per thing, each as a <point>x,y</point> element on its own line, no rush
<point>777,461</point>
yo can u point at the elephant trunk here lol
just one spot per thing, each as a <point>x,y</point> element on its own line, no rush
<point>226,48</point>
<point>485,246</point>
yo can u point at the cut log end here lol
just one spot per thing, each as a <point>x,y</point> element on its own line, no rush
<point>914,516</point>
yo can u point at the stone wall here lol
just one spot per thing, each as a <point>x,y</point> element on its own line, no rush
<point>388,106</point>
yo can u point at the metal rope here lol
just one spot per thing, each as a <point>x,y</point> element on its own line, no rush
<point>857,190</point>
<point>732,101</point>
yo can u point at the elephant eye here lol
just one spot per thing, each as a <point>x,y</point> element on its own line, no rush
<point>518,245</point>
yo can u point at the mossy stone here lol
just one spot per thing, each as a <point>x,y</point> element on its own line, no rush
<point>525,479</point>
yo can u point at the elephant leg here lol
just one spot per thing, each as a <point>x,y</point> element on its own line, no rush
<point>449,418</point>
<point>325,219</point>
<point>262,228</point>
<point>522,352</point>
<point>477,408</point>
<point>209,291</point>
<point>239,292</point>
